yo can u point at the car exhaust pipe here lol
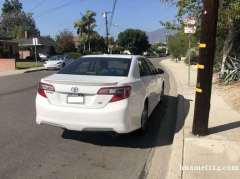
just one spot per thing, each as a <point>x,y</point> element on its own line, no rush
<point>113,134</point>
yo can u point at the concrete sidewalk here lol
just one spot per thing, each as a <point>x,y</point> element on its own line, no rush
<point>16,72</point>
<point>219,150</point>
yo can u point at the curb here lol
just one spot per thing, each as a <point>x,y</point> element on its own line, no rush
<point>152,168</point>
<point>178,141</point>
<point>18,72</point>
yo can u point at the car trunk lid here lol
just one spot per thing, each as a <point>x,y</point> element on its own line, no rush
<point>82,87</point>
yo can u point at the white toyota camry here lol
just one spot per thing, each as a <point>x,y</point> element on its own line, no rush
<point>114,93</point>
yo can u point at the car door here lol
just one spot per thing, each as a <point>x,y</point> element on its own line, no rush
<point>155,77</point>
<point>155,87</point>
<point>147,80</point>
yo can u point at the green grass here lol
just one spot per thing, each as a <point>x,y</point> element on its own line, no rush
<point>24,65</point>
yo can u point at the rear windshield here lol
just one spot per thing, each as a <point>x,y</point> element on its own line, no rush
<point>98,66</point>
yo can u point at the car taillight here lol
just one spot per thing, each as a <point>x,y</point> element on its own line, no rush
<point>42,87</point>
<point>119,93</point>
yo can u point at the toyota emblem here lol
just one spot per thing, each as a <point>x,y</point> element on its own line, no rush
<point>75,89</point>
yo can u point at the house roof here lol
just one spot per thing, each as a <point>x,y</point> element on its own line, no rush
<point>4,37</point>
<point>46,41</point>
<point>41,41</point>
<point>76,39</point>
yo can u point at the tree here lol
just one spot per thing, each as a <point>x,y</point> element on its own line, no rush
<point>64,42</point>
<point>11,6</point>
<point>178,45</point>
<point>14,25</point>
<point>229,15</point>
<point>48,37</point>
<point>228,23</point>
<point>85,28</point>
<point>134,40</point>
<point>15,21</point>
<point>99,45</point>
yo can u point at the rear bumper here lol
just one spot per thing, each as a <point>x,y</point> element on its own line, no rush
<point>113,117</point>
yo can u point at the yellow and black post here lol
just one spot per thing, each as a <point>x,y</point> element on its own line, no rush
<point>205,67</point>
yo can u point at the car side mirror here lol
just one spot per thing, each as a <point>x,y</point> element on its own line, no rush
<point>160,71</point>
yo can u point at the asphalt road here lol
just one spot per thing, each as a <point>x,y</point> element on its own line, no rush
<point>28,150</point>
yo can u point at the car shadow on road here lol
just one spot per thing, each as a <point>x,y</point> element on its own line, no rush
<point>161,127</point>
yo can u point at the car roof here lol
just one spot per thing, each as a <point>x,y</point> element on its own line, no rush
<point>112,56</point>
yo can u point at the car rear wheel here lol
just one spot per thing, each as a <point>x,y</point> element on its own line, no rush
<point>144,120</point>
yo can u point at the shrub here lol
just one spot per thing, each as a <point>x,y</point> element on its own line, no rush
<point>4,53</point>
<point>74,55</point>
<point>194,57</point>
<point>96,53</point>
<point>117,50</point>
<point>87,53</point>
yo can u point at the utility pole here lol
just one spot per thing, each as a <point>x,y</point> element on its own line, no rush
<point>205,67</point>
<point>107,33</point>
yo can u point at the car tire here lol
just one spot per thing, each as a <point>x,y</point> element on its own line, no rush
<point>144,120</point>
<point>162,94</point>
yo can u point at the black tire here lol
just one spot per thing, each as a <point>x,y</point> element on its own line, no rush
<point>144,120</point>
<point>63,65</point>
<point>162,94</point>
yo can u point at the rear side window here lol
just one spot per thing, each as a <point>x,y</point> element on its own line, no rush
<point>98,66</point>
<point>151,67</point>
<point>143,68</point>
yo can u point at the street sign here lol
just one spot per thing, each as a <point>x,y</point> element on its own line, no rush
<point>190,30</point>
<point>35,41</point>
<point>190,21</point>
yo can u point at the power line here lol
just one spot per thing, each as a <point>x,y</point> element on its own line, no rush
<point>37,6</point>
<point>59,7</point>
<point>69,3</point>
<point>100,27</point>
<point>113,10</point>
<point>55,8</point>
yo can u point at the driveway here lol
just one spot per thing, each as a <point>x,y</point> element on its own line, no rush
<point>32,151</point>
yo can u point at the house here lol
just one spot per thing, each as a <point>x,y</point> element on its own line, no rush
<point>8,53</point>
<point>76,40</point>
<point>9,45</point>
<point>110,49</point>
<point>43,45</point>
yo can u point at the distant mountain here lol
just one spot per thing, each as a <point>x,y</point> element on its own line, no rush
<point>160,35</point>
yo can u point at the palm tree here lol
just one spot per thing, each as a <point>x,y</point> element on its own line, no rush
<point>85,28</point>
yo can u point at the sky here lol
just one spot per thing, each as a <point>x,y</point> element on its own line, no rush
<point>137,14</point>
